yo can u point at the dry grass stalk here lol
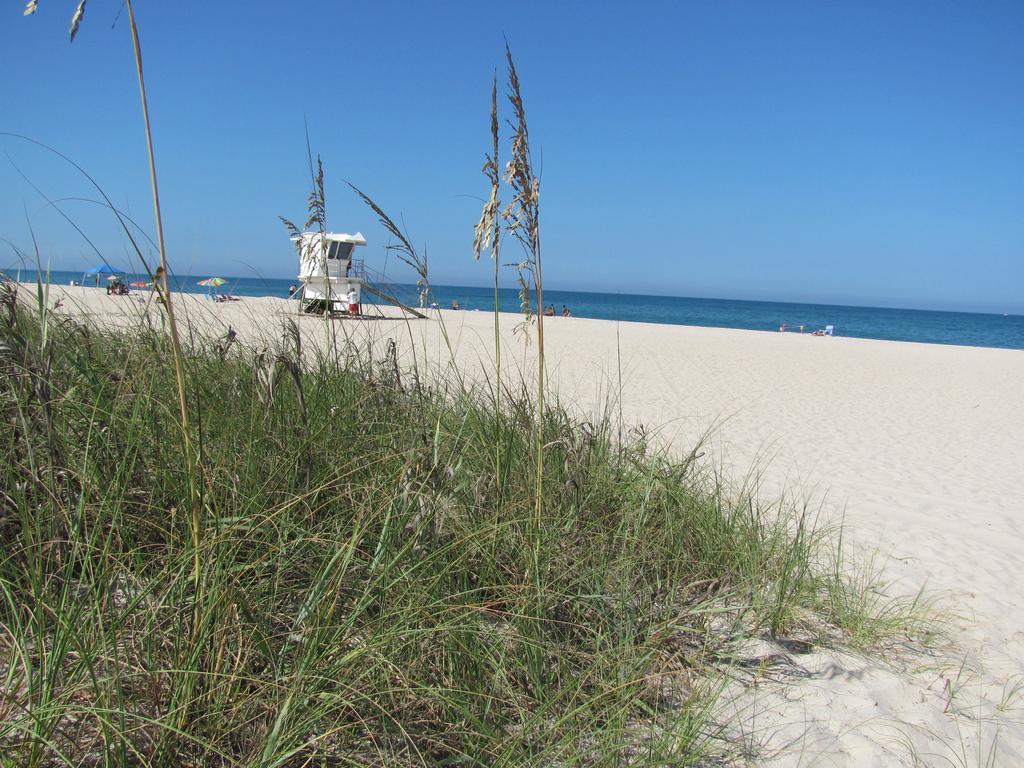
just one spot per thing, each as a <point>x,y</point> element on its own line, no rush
<point>522,214</point>
<point>316,217</point>
<point>487,236</point>
<point>522,220</point>
<point>165,296</point>
<point>192,460</point>
<point>403,248</point>
<point>76,19</point>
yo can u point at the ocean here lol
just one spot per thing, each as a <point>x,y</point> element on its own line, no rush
<point>932,327</point>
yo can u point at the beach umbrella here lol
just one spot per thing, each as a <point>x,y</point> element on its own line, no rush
<point>102,269</point>
<point>212,282</point>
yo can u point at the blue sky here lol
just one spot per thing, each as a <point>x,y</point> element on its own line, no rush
<point>864,153</point>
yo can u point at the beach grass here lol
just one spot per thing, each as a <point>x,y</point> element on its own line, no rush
<point>377,587</point>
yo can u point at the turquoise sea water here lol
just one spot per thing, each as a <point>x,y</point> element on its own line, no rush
<point>966,328</point>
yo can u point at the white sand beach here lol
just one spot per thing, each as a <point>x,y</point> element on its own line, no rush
<point>918,449</point>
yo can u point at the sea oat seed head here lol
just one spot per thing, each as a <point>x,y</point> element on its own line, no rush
<point>76,19</point>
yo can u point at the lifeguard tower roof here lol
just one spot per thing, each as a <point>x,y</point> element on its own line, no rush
<point>334,237</point>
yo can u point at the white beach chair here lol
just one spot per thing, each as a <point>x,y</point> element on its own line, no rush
<point>829,329</point>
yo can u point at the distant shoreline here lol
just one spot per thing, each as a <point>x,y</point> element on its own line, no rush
<point>970,329</point>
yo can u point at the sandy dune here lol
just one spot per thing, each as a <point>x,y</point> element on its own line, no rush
<point>919,448</point>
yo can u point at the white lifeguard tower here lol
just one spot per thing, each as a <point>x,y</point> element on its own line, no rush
<point>332,280</point>
<point>328,272</point>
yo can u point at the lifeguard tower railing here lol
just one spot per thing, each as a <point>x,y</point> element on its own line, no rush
<point>356,269</point>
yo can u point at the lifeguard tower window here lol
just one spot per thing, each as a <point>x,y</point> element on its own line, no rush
<point>341,251</point>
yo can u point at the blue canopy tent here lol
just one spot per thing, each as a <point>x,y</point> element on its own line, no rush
<point>103,269</point>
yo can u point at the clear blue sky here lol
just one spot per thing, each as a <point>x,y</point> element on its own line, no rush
<point>866,153</point>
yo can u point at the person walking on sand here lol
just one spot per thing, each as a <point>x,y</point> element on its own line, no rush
<point>353,302</point>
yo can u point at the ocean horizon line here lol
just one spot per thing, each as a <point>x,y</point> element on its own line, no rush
<point>929,326</point>
<point>180,276</point>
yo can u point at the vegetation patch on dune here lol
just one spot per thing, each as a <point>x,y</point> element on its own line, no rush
<point>375,585</point>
